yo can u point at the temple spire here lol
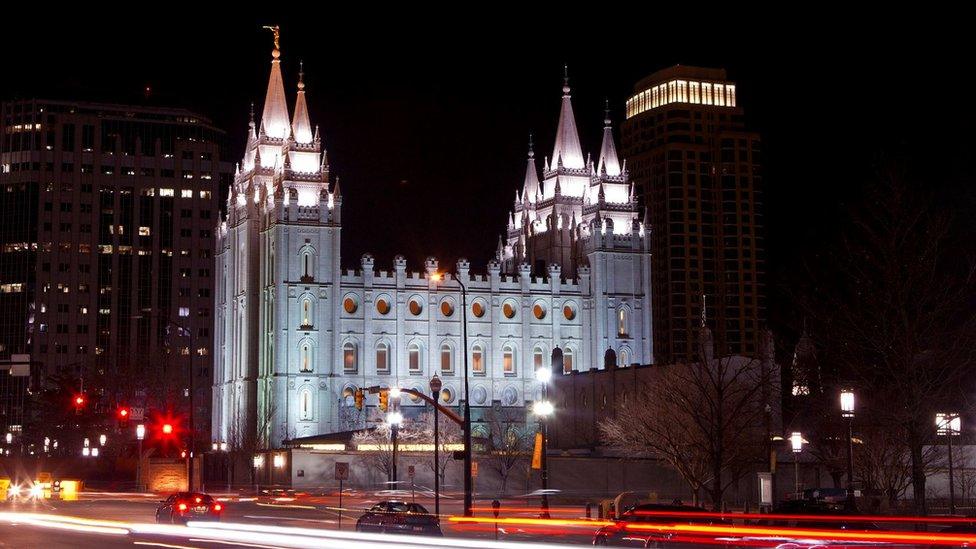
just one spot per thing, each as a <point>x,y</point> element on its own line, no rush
<point>567,151</point>
<point>301,128</point>
<point>609,163</point>
<point>531,184</point>
<point>274,118</point>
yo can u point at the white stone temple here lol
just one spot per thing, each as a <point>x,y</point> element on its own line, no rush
<point>295,335</point>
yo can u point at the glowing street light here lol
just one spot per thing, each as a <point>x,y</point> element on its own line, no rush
<point>394,392</point>
<point>847,411</point>
<point>102,439</point>
<point>543,408</point>
<point>140,431</point>
<point>949,425</point>
<point>543,375</point>
<point>796,443</point>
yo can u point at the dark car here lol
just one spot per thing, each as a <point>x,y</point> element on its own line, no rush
<point>817,514</point>
<point>398,517</point>
<point>182,507</point>
<point>619,535</point>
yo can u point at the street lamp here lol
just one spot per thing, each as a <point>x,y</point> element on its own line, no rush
<point>796,442</point>
<point>468,483</point>
<point>394,419</point>
<point>435,393</point>
<point>543,409</point>
<point>140,434</point>
<point>847,411</point>
<point>949,425</point>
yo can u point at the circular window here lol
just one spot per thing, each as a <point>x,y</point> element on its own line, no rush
<point>446,395</point>
<point>480,395</point>
<point>509,310</point>
<point>382,306</point>
<point>415,307</point>
<point>478,309</point>
<point>539,311</point>
<point>509,396</point>
<point>413,397</point>
<point>348,392</point>
<point>446,308</point>
<point>350,305</point>
<point>569,312</point>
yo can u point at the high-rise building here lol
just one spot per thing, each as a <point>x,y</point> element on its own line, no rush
<point>298,336</point>
<point>106,227</point>
<point>697,171</point>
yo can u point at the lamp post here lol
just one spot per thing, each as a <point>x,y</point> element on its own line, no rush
<point>468,484</point>
<point>949,425</point>
<point>796,442</point>
<point>435,393</point>
<point>394,419</point>
<point>140,434</point>
<point>847,411</point>
<point>543,409</point>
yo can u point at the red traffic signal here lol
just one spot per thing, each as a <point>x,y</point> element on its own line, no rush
<point>167,428</point>
<point>123,413</point>
<point>80,400</point>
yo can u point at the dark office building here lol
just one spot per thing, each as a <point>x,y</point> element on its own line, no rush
<point>697,170</point>
<point>107,215</point>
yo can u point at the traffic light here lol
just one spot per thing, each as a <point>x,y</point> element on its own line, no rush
<point>359,399</point>
<point>123,416</point>
<point>384,399</point>
<point>79,402</point>
<point>166,428</point>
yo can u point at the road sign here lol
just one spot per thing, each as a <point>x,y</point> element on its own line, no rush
<point>342,470</point>
<point>474,468</point>
<point>411,471</point>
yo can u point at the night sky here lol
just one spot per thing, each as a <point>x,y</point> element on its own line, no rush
<point>426,117</point>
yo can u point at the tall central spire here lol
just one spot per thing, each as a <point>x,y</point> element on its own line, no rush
<point>274,119</point>
<point>567,150</point>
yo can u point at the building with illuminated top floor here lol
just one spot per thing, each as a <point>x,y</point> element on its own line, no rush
<point>295,335</point>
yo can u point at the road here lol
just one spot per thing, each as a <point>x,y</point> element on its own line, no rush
<point>26,523</point>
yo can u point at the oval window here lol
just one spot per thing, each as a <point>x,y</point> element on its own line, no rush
<point>569,312</point>
<point>350,305</point>
<point>382,306</point>
<point>539,311</point>
<point>478,309</point>
<point>509,310</point>
<point>446,308</point>
<point>415,307</point>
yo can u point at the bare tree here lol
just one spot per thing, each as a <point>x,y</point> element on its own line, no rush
<point>508,442</point>
<point>704,420</point>
<point>378,433</point>
<point>449,432</point>
<point>892,305</point>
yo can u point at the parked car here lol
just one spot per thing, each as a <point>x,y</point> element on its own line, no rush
<point>398,517</point>
<point>182,507</point>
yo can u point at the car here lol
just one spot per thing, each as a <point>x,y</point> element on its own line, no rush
<point>399,517</point>
<point>620,535</point>
<point>182,507</point>
<point>817,514</point>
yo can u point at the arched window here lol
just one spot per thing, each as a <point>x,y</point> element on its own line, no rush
<point>349,362</point>
<point>508,360</point>
<point>567,360</point>
<point>307,364</point>
<point>538,358</point>
<point>447,360</point>
<point>305,405</point>
<point>307,313</point>
<point>382,358</point>
<point>308,265</point>
<point>478,360</point>
<point>622,330</point>
<point>413,358</point>
<point>624,357</point>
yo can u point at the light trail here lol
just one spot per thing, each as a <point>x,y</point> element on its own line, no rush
<point>817,518</point>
